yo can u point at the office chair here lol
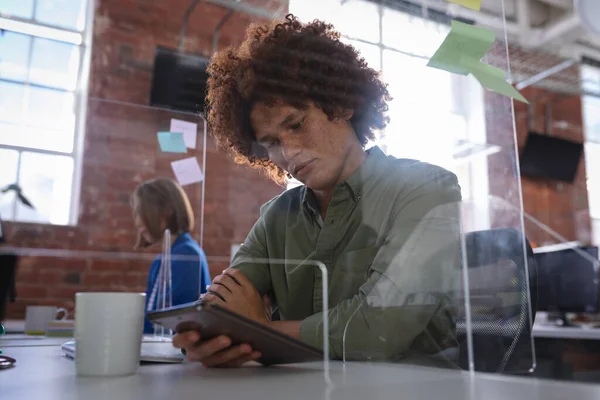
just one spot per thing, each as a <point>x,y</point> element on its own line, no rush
<point>500,318</point>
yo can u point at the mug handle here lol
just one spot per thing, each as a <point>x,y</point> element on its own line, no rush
<point>65,313</point>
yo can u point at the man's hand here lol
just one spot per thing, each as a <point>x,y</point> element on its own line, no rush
<point>231,290</point>
<point>216,352</point>
<point>235,292</point>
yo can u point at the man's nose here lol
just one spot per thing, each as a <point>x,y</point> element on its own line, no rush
<point>289,151</point>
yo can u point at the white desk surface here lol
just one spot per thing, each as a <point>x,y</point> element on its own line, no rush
<point>545,330</point>
<point>22,340</point>
<point>43,373</point>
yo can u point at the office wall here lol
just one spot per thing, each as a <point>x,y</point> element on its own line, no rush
<point>120,151</point>
<point>563,207</point>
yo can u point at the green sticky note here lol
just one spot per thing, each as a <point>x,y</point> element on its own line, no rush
<point>492,78</point>
<point>472,4</point>
<point>171,142</point>
<point>465,43</point>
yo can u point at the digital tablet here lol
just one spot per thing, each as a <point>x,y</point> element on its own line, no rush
<point>211,320</point>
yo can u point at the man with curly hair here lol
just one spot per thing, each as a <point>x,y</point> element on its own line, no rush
<point>293,100</point>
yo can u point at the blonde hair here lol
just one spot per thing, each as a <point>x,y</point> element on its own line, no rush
<point>160,198</point>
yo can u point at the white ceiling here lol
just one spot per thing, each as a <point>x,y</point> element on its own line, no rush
<point>550,25</point>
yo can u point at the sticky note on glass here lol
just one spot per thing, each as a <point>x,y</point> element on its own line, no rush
<point>472,4</point>
<point>465,43</point>
<point>187,171</point>
<point>492,78</point>
<point>171,142</point>
<point>461,52</point>
<point>189,130</point>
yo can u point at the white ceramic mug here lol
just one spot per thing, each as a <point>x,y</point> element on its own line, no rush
<point>37,318</point>
<point>108,333</point>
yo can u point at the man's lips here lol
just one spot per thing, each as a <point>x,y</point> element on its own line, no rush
<point>301,167</point>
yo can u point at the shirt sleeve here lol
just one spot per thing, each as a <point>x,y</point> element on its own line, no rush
<point>252,256</point>
<point>408,281</point>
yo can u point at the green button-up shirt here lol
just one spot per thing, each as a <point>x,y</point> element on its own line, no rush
<point>390,243</point>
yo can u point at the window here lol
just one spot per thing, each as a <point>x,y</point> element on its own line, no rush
<point>591,119</point>
<point>42,64</point>
<point>399,45</point>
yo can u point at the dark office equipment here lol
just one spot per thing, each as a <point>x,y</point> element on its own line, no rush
<point>8,267</point>
<point>549,157</point>
<point>568,281</point>
<point>179,81</point>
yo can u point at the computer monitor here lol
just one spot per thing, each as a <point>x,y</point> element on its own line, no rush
<point>567,281</point>
<point>179,80</point>
<point>549,157</point>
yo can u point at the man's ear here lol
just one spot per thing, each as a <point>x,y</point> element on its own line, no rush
<point>346,114</point>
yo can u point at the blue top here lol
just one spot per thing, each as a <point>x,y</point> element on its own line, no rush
<point>189,278</point>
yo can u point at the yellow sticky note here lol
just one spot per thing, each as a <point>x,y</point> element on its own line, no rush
<point>492,78</point>
<point>472,4</point>
<point>464,44</point>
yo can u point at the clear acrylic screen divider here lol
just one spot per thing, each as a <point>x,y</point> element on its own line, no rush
<point>499,277</point>
<point>407,309</point>
<point>161,294</point>
<point>564,274</point>
<point>119,150</point>
<point>293,267</point>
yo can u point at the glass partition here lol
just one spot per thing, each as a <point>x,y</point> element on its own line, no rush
<point>421,256</point>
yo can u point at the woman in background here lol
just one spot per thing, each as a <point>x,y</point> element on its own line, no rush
<point>161,204</point>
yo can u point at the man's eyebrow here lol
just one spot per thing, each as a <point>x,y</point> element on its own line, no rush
<point>289,119</point>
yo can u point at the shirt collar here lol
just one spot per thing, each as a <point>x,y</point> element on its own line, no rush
<point>355,182</point>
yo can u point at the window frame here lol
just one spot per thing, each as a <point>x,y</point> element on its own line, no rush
<point>82,39</point>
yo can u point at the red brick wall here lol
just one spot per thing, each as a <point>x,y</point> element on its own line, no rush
<point>121,151</point>
<point>563,207</point>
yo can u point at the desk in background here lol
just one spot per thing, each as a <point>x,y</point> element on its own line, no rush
<point>567,353</point>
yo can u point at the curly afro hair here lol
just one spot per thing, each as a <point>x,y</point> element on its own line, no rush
<point>294,63</point>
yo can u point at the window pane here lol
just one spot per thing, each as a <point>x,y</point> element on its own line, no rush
<point>54,64</point>
<point>46,181</point>
<point>9,161</point>
<point>36,138</point>
<point>369,52</point>
<point>50,109</point>
<point>356,18</point>
<point>65,13</point>
<point>590,77</point>
<point>592,166</point>
<point>413,85</point>
<point>14,56</point>
<point>421,111</point>
<point>591,118</point>
<point>17,8</point>
<point>11,102</point>
<point>412,34</point>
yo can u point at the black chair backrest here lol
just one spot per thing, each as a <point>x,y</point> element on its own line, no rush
<point>502,289</point>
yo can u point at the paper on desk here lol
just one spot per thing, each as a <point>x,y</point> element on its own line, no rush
<point>464,44</point>
<point>187,171</point>
<point>171,142</point>
<point>473,4</point>
<point>492,78</point>
<point>189,130</point>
